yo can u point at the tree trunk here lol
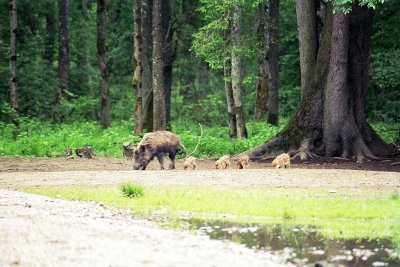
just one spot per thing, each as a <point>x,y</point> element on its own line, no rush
<point>237,73</point>
<point>169,56</point>
<point>261,107</point>
<point>87,65</point>
<point>159,112</point>
<point>228,87</point>
<point>330,119</point>
<point>50,33</point>
<point>63,51</point>
<point>137,65</point>
<point>273,56</point>
<point>102,63</point>
<point>13,65</point>
<point>308,38</point>
<point>147,91</point>
<point>229,99</point>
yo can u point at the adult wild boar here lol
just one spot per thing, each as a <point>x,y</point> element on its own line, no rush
<point>159,144</point>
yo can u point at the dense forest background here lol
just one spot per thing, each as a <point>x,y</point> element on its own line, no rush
<point>197,89</point>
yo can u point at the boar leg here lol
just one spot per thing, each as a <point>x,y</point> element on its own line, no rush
<point>172,158</point>
<point>160,158</point>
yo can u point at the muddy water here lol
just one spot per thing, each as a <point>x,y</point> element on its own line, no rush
<point>305,245</point>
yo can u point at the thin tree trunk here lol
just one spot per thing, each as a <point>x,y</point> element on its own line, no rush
<point>13,66</point>
<point>102,63</point>
<point>50,33</point>
<point>261,107</point>
<point>169,56</point>
<point>228,87</point>
<point>159,115</point>
<point>147,91</point>
<point>86,67</point>
<point>63,51</point>
<point>273,29</point>
<point>137,59</point>
<point>237,73</point>
<point>229,99</point>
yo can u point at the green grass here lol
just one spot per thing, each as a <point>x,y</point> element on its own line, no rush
<point>131,190</point>
<point>335,216</point>
<point>275,203</point>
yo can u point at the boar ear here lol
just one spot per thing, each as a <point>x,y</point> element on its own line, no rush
<point>142,148</point>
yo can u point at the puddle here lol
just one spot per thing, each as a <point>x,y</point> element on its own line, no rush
<point>304,245</point>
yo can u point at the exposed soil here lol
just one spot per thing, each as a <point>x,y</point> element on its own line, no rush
<point>39,231</point>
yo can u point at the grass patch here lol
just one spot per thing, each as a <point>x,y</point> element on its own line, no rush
<point>275,203</point>
<point>131,190</point>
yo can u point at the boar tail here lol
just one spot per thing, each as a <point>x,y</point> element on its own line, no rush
<point>182,147</point>
<point>201,135</point>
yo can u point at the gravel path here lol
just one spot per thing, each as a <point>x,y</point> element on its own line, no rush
<point>39,231</point>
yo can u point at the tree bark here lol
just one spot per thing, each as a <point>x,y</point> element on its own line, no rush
<point>102,63</point>
<point>241,131</point>
<point>63,51</point>
<point>159,112</point>
<point>13,83</point>
<point>137,65</point>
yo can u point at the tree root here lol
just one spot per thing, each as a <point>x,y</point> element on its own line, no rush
<point>305,150</point>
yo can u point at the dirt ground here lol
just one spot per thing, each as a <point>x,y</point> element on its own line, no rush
<point>39,231</point>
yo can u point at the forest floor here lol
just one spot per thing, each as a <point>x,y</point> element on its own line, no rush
<point>36,230</point>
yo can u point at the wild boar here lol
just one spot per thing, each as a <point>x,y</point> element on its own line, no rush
<point>283,160</point>
<point>190,162</point>
<point>223,162</point>
<point>243,161</point>
<point>159,144</point>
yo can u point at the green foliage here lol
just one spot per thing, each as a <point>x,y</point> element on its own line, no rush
<point>40,138</point>
<point>131,190</point>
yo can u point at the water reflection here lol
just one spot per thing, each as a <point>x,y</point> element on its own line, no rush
<point>303,245</point>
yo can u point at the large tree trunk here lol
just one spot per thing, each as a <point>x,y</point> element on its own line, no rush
<point>102,63</point>
<point>159,112</point>
<point>330,119</point>
<point>13,65</point>
<point>63,51</point>
<point>137,65</point>
<point>237,73</point>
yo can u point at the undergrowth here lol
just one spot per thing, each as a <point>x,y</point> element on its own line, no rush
<point>43,139</point>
